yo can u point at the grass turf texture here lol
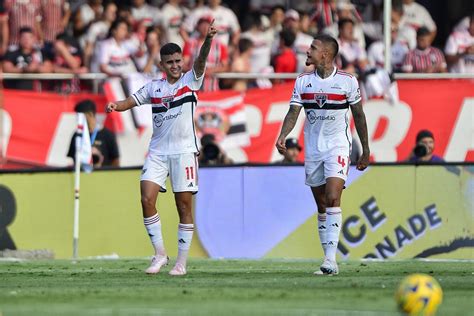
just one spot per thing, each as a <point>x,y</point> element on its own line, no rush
<point>221,287</point>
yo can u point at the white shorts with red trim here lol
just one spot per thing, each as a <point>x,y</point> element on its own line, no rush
<point>182,169</point>
<point>332,166</point>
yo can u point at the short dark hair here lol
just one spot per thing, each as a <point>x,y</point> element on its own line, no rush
<point>423,134</point>
<point>341,22</point>
<point>25,29</point>
<point>288,37</point>
<point>115,25</point>
<point>245,44</point>
<point>422,31</point>
<point>170,49</point>
<point>330,42</point>
<point>85,106</point>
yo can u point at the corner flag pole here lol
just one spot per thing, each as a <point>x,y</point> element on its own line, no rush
<point>77,183</point>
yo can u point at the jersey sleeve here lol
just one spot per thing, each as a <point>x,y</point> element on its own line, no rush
<point>354,92</point>
<point>296,96</point>
<point>192,81</point>
<point>451,46</point>
<point>142,96</point>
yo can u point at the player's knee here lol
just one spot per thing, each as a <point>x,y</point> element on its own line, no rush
<point>147,202</point>
<point>183,207</point>
<point>332,199</point>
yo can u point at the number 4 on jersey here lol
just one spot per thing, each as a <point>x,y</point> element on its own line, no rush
<point>341,161</point>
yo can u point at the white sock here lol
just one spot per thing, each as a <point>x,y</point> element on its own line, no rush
<point>334,222</point>
<point>322,231</point>
<point>185,236</point>
<point>153,227</point>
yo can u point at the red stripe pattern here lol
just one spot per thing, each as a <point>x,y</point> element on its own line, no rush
<point>330,96</point>
<point>179,92</point>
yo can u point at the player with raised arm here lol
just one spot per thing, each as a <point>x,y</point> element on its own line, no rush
<point>326,95</point>
<point>173,147</point>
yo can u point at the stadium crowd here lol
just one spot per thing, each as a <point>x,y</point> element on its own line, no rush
<point>123,37</point>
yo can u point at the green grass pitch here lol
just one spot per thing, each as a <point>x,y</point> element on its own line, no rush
<point>222,287</point>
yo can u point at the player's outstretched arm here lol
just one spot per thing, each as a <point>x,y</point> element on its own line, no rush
<point>361,127</point>
<point>120,106</point>
<point>288,124</point>
<point>200,62</point>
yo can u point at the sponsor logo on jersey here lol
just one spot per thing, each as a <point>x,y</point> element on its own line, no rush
<point>158,119</point>
<point>320,99</point>
<point>309,85</point>
<point>342,172</point>
<point>311,116</point>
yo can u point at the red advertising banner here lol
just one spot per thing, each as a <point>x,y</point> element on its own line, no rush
<point>37,127</point>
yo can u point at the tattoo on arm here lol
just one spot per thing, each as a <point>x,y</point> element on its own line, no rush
<point>290,120</point>
<point>361,125</point>
<point>200,62</point>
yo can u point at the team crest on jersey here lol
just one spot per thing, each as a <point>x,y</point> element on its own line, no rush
<point>320,99</point>
<point>166,101</point>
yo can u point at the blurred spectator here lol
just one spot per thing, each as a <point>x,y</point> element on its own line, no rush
<point>228,28</point>
<point>266,6</point>
<point>416,16</point>
<point>124,12</point>
<point>68,55</point>
<point>55,18</point>
<point>293,149</point>
<point>104,144</point>
<point>172,18</point>
<point>25,13</point>
<point>347,11</point>
<point>377,83</point>
<point>68,59</point>
<point>354,58</point>
<point>217,61</point>
<point>459,50</point>
<point>406,34</point>
<point>90,12</point>
<point>27,58</point>
<point>242,63</point>
<point>424,148</point>
<point>307,26</point>
<point>3,29</point>
<point>302,42</point>
<point>149,62</point>
<point>286,59</point>
<point>262,43</point>
<point>82,18</point>
<point>143,12</point>
<point>96,33</point>
<point>463,24</point>
<point>115,56</point>
<point>424,58</point>
<point>325,14</point>
<point>211,154</point>
<point>276,20</point>
<point>376,52</point>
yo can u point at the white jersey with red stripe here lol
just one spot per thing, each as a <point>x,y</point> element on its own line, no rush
<point>326,103</point>
<point>173,108</point>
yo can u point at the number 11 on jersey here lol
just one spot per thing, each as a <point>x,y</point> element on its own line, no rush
<point>189,173</point>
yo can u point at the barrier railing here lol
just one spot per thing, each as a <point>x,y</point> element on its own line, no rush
<point>226,75</point>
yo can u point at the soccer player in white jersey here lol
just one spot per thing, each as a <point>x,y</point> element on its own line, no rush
<point>326,95</point>
<point>173,147</point>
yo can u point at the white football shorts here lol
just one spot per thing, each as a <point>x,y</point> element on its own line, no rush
<point>182,169</point>
<point>333,166</point>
